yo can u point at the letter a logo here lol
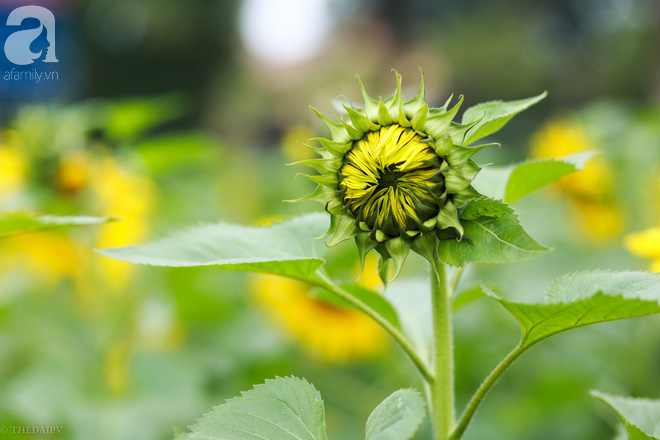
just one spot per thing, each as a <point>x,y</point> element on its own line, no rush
<point>17,46</point>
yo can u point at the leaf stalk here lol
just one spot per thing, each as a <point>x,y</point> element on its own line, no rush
<point>427,374</point>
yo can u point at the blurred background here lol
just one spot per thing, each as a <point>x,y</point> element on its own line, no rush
<point>169,113</point>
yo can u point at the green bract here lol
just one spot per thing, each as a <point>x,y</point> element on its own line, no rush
<point>397,174</point>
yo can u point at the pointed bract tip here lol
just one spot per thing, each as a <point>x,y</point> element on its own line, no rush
<point>399,82</point>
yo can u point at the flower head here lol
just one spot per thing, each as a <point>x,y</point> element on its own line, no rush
<point>395,175</point>
<point>391,180</point>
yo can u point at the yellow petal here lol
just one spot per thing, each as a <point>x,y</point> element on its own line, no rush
<point>387,173</point>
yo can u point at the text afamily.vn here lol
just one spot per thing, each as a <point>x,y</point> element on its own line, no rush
<point>30,75</point>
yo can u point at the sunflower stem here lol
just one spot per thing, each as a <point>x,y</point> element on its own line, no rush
<point>442,390</point>
<point>427,374</point>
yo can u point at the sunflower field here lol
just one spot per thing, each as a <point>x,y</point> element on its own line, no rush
<point>329,220</point>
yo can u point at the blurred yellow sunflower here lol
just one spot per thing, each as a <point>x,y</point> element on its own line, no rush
<point>110,189</point>
<point>646,244</point>
<point>329,331</point>
<point>47,256</point>
<point>588,191</point>
<point>13,170</point>
<point>73,172</point>
<point>121,193</point>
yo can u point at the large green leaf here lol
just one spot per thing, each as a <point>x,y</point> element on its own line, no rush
<point>582,285</point>
<point>495,115</point>
<point>640,417</point>
<point>513,182</point>
<point>15,223</point>
<point>573,301</point>
<point>585,298</point>
<point>397,417</point>
<point>287,248</point>
<point>492,234</point>
<point>281,409</point>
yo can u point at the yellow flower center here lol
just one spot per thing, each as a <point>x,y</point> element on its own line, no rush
<point>391,180</point>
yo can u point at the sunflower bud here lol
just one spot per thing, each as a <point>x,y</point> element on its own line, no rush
<point>394,175</point>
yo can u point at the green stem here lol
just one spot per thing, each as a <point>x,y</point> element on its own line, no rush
<point>324,282</point>
<point>442,391</point>
<point>479,395</point>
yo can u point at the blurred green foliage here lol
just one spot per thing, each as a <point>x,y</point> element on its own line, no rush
<point>208,140</point>
<point>169,345</point>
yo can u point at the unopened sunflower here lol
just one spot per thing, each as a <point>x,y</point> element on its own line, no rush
<point>394,174</point>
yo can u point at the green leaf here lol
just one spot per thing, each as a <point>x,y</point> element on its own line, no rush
<point>513,182</point>
<point>585,298</point>
<point>397,417</point>
<point>530,176</point>
<point>492,235</point>
<point>640,417</point>
<point>15,223</point>
<point>281,409</point>
<point>582,285</point>
<point>287,248</point>
<point>495,116</point>
<point>573,301</point>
